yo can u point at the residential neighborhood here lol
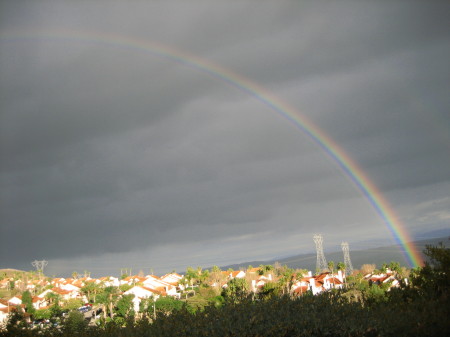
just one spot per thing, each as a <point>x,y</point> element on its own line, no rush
<point>97,298</point>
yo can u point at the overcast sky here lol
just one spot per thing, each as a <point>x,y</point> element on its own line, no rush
<point>116,157</point>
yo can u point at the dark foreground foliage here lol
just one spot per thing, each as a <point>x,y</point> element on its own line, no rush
<point>420,309</point>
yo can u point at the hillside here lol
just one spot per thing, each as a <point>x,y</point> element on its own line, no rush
<point>10,272</point>
<point>376,256</point>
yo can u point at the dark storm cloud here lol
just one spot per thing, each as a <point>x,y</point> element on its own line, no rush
<point>118,154</point>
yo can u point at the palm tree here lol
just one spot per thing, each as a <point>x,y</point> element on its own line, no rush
<point>331,267</point>
<point>108,298</point>
<point>90,288</point>
<point>341,266</point>
<point>53,298</point>
<point>286,281</point>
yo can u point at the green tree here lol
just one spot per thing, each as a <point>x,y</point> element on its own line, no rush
<point>74,324</point>
<point>269,290</point>
<point>53,298</point>
<point>203,275</point>
<point>191,276</point>
<point>331,267</point>
<point>72,304</point>
<point>108,298</point>
<point>43,314</point>
<point>125,306</point>
<point>88,289</point>
<point>433,279</point>
<point>27,300</point>
<point>125,287</point>
<point>166,305</point>
<point>265,269</point>
<point>395,268</point>
<point>237,290</point>
<point>285,281</point>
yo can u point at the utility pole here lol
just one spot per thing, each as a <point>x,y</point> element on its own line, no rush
<point>321,262</point>
<point>347,261</point>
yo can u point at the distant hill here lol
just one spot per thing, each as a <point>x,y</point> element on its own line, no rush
<point>376,256</point>
<point>10,271</point>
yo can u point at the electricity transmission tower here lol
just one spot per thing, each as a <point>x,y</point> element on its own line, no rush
<point>347,261</point>
<point>39,265</point>
<point>321,262</point>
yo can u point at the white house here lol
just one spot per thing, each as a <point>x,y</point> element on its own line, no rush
<point>140,293</point>
<point>4,313</point>
<point>16,300</point>
<point>39,302</point>
<point>159,285</point>
<point>172,278</point>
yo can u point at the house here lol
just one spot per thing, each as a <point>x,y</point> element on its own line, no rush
<point>141,293</point>
<point>16,300</point>
<point>70,287</point>
<point>39,302</point>
<point>4,313</point>
<point>300,287</point>
<point>5,283</point>
<point>154,282</point>
<point>3,303</point>
<point>109,281</point>
<point>383,278</point>
<point>254,270</point>
<point>234,274</point>
<point>64,294</point>
<point>258,283</point>
<point>172,278</point>
<point>132,280</point>
<point>237,274</point>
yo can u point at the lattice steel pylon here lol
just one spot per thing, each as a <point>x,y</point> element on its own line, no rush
<point>321,262</point>
<point>347,261</point>
<point>39,265</point>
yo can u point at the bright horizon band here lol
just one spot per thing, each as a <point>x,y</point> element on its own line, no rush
<point>334,151</point>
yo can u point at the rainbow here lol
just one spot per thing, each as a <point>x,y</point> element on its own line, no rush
<point>330,147</point>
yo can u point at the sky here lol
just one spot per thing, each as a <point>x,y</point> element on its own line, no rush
<point>114,155</point>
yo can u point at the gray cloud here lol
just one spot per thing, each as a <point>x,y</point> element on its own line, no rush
<point>116,154</point>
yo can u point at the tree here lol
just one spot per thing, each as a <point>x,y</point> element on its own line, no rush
<point>269,290</point>
<point>237,289</point>
<point>72,304</point>
<point>367,268</point>
<point>74,324</point>
<point>88,289</point>
<point>395,268</point>
<point>27,300</point>
<point>166,305</point>
<point>125,307</point>
<point>331,267</point>
<point>108,298</point>
<point>191,276</point>
<point>53,298</point>
<point>285,281</point>
<point>216,276</point>
<point>43,314</point>
<point>265,269</point>
<point>433,279</point>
